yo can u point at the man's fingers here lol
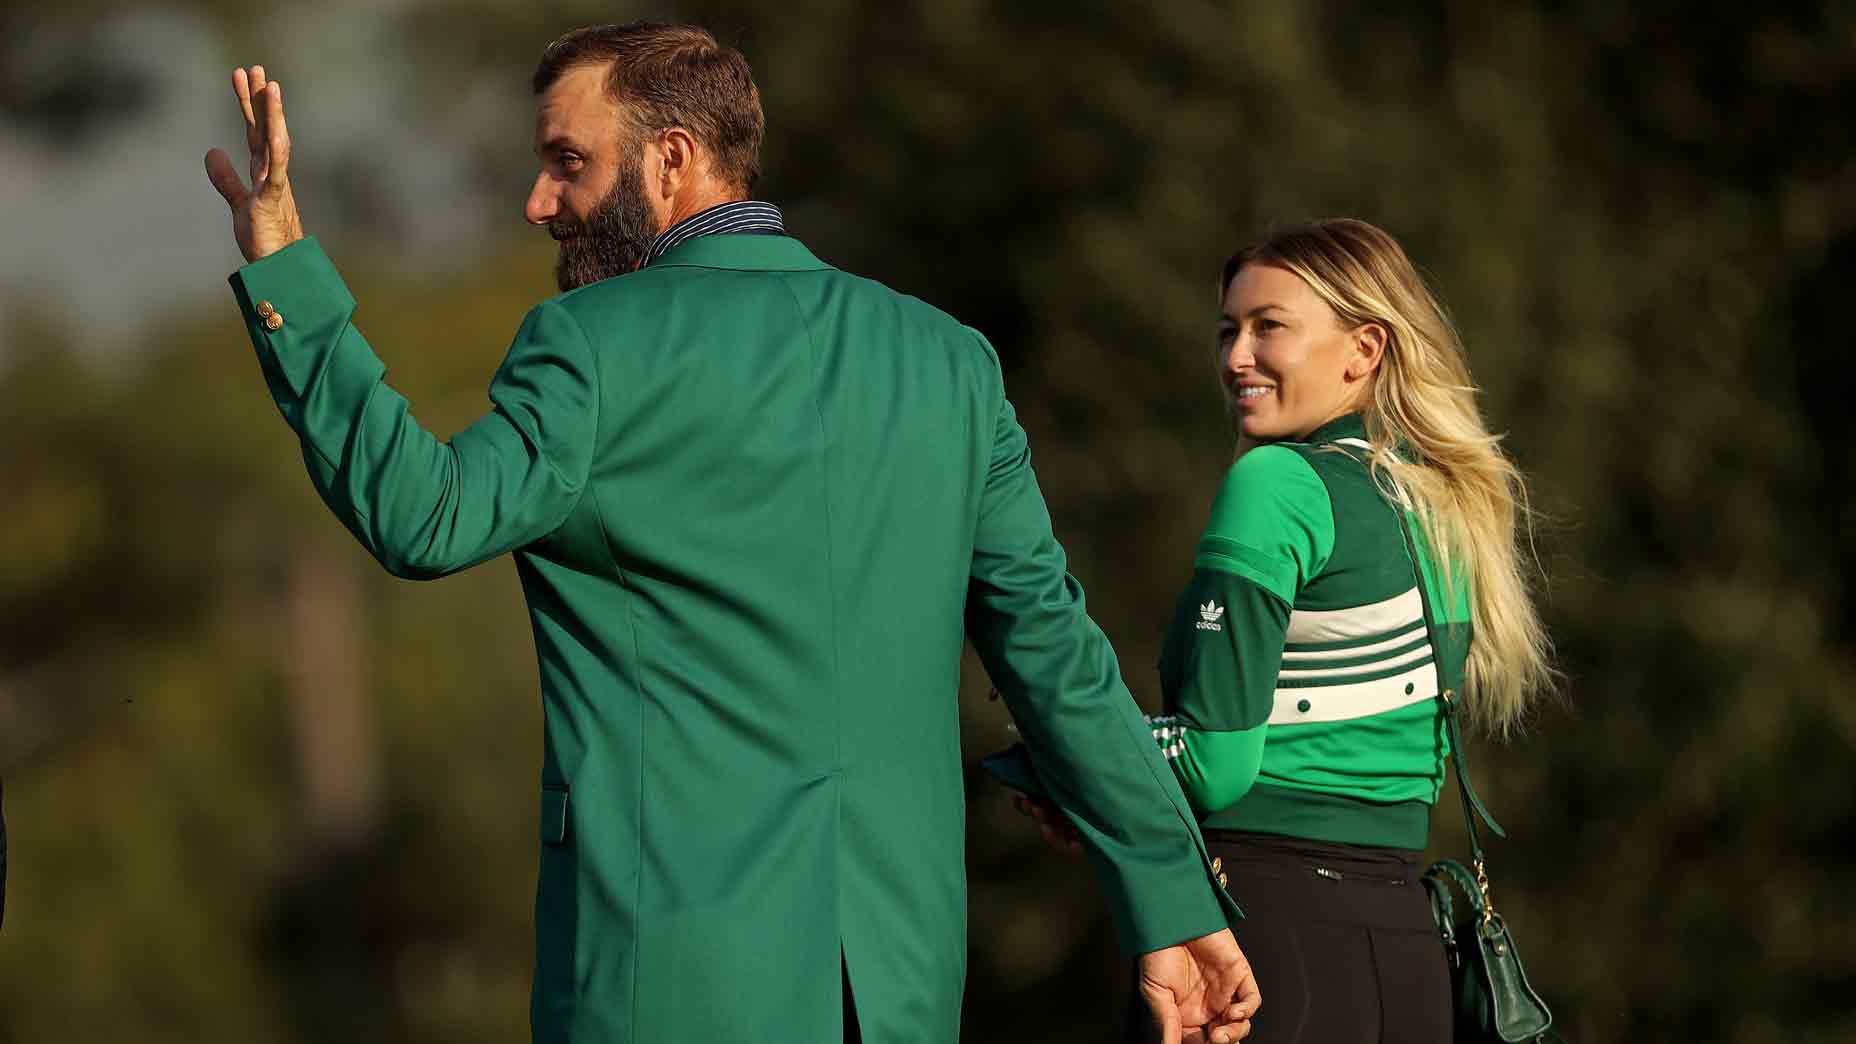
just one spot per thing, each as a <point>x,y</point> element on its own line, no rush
<point>1234,1023</point>
<point>1166,1013</point>
<point>279,141</point>
<point>260,129</point>
<point>1231,1033</point>
<point>241,86</point>
<point>1249,996</point>
<point>224,176</point>
<point>1242,999</point>
<point>1247,1002</point>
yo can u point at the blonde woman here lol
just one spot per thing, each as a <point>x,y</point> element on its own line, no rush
<point>1361,561</point>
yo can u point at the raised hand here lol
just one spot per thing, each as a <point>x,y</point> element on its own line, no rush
<point>1201,990</point>
<point>264,217</point>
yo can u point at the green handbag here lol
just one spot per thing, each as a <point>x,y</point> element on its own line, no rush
<point>1494,1002</point>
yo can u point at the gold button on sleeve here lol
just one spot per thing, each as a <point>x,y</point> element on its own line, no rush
<point>266,309</point>
<point>273,322</point>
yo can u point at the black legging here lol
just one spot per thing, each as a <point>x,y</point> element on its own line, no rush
<point>1340,938</point>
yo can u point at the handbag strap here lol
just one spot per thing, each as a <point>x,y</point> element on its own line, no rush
<point>1472,805</point>
<point>1473,808</point>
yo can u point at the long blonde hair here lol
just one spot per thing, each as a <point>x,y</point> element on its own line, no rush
<point>1430,443</point>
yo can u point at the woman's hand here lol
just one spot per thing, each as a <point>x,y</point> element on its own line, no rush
<point>1057,830</point>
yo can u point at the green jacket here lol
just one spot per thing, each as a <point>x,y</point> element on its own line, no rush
<point>1301,679</point>
<point>756,504</point>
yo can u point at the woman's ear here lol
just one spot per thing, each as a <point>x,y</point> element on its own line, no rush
<point>1368,350</point>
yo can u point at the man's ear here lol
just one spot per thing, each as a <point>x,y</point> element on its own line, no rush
<point>1368,350</point>
<point>676,158</point>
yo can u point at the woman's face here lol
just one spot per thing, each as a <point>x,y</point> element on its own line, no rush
<point>1287,363</point>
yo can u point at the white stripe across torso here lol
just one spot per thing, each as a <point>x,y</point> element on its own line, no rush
<point>1311,660</point>
<point>1388,629</point>
<point>1300,672</point>
<point>1385,628</point>
<point>1361,621</point>
<point>1359,700</point>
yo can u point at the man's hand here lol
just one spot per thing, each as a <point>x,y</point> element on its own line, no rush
<point>1201,990</point>
<point>264,218</point>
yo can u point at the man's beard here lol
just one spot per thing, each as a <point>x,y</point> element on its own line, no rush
<point>613,239</point>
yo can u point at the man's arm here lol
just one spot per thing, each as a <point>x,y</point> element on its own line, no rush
<point>423,507</point>
<point>1091,746</point>
<point>1093,750</point>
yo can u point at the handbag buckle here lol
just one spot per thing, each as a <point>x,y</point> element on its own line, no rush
<point>1482,885</point>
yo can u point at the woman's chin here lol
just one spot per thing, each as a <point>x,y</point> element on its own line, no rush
<point>1257,427</point>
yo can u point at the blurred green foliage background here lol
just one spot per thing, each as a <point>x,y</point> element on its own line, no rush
<point>258,791</point>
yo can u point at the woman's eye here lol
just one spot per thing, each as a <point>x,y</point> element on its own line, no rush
<point>1226,335</point>
<point>1266,325</point>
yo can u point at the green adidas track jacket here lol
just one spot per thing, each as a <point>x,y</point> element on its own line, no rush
<point>1300,679</point>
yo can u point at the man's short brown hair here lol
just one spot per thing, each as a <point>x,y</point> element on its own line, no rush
<point>673,76</point>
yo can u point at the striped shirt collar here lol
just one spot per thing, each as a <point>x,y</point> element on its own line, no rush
<point>744,217</point>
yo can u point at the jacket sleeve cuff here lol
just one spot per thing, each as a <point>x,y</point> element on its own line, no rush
<point>296,308</point>
<point>1153,891</point>
<point>1161,905</point>
<point>299,315</point>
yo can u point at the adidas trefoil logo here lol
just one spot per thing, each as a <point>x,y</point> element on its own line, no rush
<point>1209,615</point>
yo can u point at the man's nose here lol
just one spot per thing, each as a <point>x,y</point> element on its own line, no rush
<point>544,201</point>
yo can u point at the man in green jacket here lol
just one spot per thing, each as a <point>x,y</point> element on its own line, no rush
<point>756,504</point>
